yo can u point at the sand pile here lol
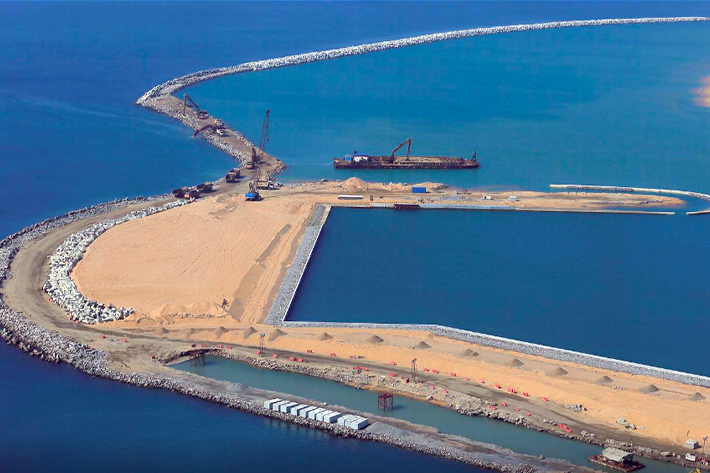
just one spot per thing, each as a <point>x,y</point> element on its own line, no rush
<point>324,336</point>
<point>697,397</point>
<point>249,332</point>
<point>557,372</point>
<point>649,389</point>
<point>353,184</point>
<point>604,380</point>
<point>515,363</point>
<point>220,331</point>
<point>190,333</point>
<point>276,334</point>
<point>470,353</point>
<point>422,345</point>
<point>374,339</point>
<point>160,332</point>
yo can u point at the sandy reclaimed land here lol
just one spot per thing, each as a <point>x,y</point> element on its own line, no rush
<point>663,419</point>
<point>187,261</point>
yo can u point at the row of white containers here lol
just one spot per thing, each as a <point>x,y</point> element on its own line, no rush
<point>316,413</point>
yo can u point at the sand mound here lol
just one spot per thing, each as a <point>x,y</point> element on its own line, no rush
<point>190,333</point>
<point>325,336</point>
<point>470,353</point>
<point>649,389</point>
<point>353,184</point>
<point>374,339</point>
<point>220,331</point>
<point>515,363</point>
<point>557,372</point>
<point>422,345</point>
<point>160,332</point>
<point>276,334</point>
<point>249,332</point>
<point>697,397</point>
<point>604,380</point>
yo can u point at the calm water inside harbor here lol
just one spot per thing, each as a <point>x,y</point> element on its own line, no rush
<point>477,428</point>
<point>623,286</point>
<point>71,137</point>
<point>55,419</point>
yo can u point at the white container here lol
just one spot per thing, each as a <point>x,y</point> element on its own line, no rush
<point>268,404</point>
<point>321,414</point>
<point>332,417</point>
<point>286,408</point>
<point>346,418</point>
<point>304,412</point>
<point>312,414</point>
<point>359,424</point>
<point>277,405</point>
<point>294,410</point>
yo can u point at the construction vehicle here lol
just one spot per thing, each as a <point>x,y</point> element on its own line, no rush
<point>203,129</point>
<point>364,161</point>
<point>253,194</point>
<point>233,175</point>
<point>254,161</point>
<point>206,187</point>
<point>187,102</point>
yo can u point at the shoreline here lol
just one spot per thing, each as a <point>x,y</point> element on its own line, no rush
<point>29,345</point>
<point>52,346</point>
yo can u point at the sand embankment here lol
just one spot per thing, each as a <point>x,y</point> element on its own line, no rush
<point>185,263</point>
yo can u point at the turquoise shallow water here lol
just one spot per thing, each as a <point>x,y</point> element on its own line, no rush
<point>477,428</point>
<point>70,136</point>
<point>604,105</point>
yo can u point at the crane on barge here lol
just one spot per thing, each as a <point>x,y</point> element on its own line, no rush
<point>407,142</point>
<point>365,161</point>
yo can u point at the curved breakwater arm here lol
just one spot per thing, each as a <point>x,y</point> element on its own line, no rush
<point>173,85</point>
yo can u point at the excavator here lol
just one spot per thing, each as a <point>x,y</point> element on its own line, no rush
<point>187,102</point>
<point>407,142</point>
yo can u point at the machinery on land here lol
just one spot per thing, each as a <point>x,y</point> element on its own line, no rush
<point>253,194</point>
<point>364,161</point>
<point>255,159</point>
<point>187,102</point>
<point>233,175</point>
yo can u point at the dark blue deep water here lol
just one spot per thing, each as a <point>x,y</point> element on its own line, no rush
<point>70,136</point>
<point>631,287</point>
<point>55,419</point>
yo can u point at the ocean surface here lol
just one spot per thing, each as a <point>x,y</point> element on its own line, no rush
<point>70,136</point>
<point>604,105</point>
<point>630,287</point>
<point>55,419</point>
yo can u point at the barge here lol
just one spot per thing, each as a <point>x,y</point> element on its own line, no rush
<point>365,161</point>
<point>616,459</point>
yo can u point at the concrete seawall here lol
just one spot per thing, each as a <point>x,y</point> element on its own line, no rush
<point>295,272</point>
<point>282,303</point>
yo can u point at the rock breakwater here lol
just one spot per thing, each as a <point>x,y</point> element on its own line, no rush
<point>62,289</point>
<point>173,85</point>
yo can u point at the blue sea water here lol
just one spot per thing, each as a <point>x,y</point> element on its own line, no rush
<point>55,419</point>
<point>70,136</point>
<point>481,429</point>
<point>630,287</point>
<point>605,105</point>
